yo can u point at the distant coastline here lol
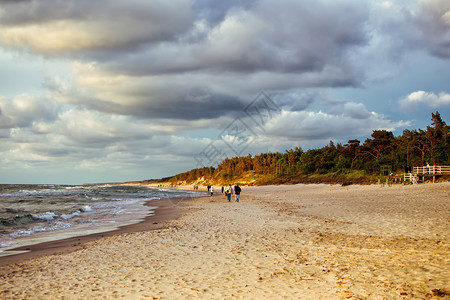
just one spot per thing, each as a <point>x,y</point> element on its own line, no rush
<point>381,157</point>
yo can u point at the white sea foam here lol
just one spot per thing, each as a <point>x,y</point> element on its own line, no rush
<point>37,229</point>
<point>86,208</point>
<point>26,193</point>
<point>48,216</point>
<point>76,213</point>
<point>7,244</point>
<point>71,215</point>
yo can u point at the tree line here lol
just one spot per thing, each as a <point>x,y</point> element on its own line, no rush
<point>412,148</point>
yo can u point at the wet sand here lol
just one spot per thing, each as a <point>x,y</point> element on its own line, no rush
<point>279,242</point>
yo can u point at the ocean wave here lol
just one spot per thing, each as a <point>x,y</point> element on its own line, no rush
<point>76,213</point>
<point>17,220</point>
<point>71,215</point>
<point>29,210</point>
<point>37,229</point>
<point>47,216</point>
<point>46,192</point>
<point>27,219</point>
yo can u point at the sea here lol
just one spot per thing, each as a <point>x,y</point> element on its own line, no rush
<point>30,214</point>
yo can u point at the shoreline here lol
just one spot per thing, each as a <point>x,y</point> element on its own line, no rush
<point>167,210</point>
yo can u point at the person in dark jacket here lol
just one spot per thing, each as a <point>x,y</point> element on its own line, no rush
<point>237,192</point>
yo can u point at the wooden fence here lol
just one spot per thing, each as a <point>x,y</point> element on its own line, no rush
<point>430,170</point>
<point>421,173</point>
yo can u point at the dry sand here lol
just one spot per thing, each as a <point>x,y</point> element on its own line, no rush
<point>279,242</point>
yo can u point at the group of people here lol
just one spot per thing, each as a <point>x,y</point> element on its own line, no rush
<point>229,190</point>
<point>431,169</point>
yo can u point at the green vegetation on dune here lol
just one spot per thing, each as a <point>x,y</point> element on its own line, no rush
<point>350,163</point>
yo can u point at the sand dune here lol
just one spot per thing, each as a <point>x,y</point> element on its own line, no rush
<point>279,242</point>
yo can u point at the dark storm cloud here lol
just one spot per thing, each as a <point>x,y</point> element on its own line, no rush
<point>203,59</point>
<point>292,37</point>
<point>296,101</point>
<point>239,36</point>
<point>193,60</point>
<point>170,100</point>
<point>197,103</point>
<point>424,26</point>
<point>87,28</point>
<point>433,23</point>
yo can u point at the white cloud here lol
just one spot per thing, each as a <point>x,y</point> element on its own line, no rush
<point>429,99</point>
<point>356,110</point>
<point>309,125</point>
<point>23,110</point>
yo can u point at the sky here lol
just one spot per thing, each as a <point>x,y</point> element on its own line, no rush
<point>112,91</point>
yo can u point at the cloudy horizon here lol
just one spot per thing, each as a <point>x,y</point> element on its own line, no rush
<point>131,90</point>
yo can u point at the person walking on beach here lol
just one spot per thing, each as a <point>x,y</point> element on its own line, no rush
<point>237,192</point>
<point>211,190</point>
<point>228,192</point>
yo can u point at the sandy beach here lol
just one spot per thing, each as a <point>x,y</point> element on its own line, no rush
<point>279,242</point>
